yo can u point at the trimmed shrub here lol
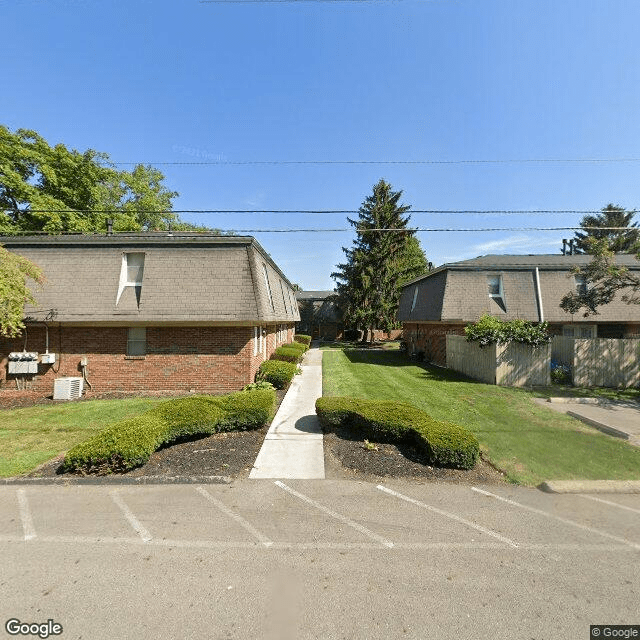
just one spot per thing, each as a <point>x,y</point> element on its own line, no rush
<point>258,385</point>
<point>130,443</point>
<point>302,339</point>
<point>489,329</point>
<point>286,354</point>
<point>444,444</point>
<point>278,373</point>
<point>297,345</point>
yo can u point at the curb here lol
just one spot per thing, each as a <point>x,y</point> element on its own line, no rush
<point>115,480</point>
<point>590,486</point>
<point>601,426</point>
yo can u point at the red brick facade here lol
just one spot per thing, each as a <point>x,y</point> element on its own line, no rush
<point>431,339</point>
<point>202,359</point>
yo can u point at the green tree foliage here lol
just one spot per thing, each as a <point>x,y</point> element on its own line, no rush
<point>14,292</point>
<point>368,283</point>
<point>604,279</point>
<point>56,190</point>
<point>618,241</point>
<point>489,329</point>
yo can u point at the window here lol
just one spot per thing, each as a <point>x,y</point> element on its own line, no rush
<point>267,285</point>
<point>415,297</point>
<point>581,284</point>
<point>131,274</point>
<point>284,299</point>
<point>496,291</point>
<point>580,331</point>
<point>137,341</point>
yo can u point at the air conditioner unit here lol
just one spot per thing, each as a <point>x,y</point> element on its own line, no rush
<point>67,388</point>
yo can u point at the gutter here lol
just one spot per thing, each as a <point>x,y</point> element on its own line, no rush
<point>539,295</point>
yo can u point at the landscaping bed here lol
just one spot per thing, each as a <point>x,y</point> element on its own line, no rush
<point>230,454</point>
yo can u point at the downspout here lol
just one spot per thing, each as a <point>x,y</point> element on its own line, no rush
<point>539,295</point>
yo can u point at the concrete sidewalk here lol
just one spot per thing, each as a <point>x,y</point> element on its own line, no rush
<point>293,446</point>
<point>617,418</point>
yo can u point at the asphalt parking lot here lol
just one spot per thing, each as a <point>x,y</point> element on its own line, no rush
<point>318,559</point>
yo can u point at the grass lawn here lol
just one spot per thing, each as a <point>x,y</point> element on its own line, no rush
<point>33,435</point>
<point>528,442</point>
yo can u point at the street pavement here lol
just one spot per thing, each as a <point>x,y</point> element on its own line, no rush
<point>318,559</point>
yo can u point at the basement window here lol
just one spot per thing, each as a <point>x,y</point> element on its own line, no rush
<point>137,341</point>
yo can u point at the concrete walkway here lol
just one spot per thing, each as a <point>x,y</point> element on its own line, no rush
<point>620,419</point>
<point>293,445</point>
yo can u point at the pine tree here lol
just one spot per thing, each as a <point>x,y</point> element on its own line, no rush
<point>618,241</point>
<point>368,283</point>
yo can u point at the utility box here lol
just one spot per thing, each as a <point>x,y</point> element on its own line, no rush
<point>23,363</point>
<point>48,358</point>
<point>67,388</point>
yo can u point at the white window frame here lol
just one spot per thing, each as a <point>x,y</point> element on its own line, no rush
<point>124,272</point>
<point>136,336</point>
<point>500,293</point>
<point>415,297</point>
<point>582,286</point>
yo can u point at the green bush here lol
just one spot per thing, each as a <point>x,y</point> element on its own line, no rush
<point>490,329</point>
<point>297,345</point>
<point>444,444</point>
<point>286,354</point>
<point>130,443</point>
<point>258,385</point>
<point>302,339</point>
<point>278,373</point>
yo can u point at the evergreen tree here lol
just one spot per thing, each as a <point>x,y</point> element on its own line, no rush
<point>617,241</point>
<point>368,283</point>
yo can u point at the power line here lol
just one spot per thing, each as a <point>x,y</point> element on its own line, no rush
<point>328,211</point>
<point>231,232</point>
<point>354,162</point>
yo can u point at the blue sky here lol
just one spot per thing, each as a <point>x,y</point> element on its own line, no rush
<point>169,81</point>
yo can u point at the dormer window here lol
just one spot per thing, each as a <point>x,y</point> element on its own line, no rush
<point>415,297</point>
<point>268,286</point>
<point>581,284</point>
<point>496,290</point>
<point>131,274</point>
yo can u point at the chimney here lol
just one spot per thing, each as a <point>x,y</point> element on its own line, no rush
<point>109,226</point>
<point>430,266</point>
<point>564,246</point>
<point>571,247</point>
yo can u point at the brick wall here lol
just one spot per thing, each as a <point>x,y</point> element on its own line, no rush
<point>203,359</point>
<point>431,339</point>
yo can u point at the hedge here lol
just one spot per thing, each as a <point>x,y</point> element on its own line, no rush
<point>302,339</point>
<point>444,444</point>
<point>297,345</point>
<point>278,373</point>
<point>130,443</point>
<point>285,354</point>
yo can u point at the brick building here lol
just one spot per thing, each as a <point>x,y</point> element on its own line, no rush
<point>151,311</point>
<point>527,287</point>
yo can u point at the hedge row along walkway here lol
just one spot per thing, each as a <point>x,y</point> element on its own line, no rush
<point>293,446</point>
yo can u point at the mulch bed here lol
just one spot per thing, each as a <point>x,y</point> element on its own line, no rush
<point>233,454</point>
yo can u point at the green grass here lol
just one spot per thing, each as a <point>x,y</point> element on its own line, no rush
<point>33,435</point>
<point>528,442</point>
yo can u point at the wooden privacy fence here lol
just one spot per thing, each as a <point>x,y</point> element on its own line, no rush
<point>513,364</point>
<point>599,362</point>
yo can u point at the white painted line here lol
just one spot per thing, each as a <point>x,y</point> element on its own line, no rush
<point>238,518</point>
<point>337,516</point>
<point>546,514</point>
<point>612,504</point>
<point>322,546</point>
<point>128,514</point>
<point>25,515</point>
<point>453,516</point>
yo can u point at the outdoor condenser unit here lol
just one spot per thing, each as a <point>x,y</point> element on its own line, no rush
<point>67,388</point>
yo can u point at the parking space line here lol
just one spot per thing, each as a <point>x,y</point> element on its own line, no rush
<point>128,514</point>
<point>546,514</point>
<point>238,518</point>
<point>452,516</point>
<point>25,515</point>
<point>337,516</point>
<point>612,504</point>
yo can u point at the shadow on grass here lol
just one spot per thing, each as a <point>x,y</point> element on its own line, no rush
<point>398,359</point>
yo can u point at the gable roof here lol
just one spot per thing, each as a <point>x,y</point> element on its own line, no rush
<point>314,295</point>
<point>188,278</point>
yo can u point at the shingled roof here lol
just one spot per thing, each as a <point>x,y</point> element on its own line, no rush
<point>187,278</point>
